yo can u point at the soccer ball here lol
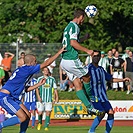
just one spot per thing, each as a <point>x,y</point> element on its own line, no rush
<point>91,11</point>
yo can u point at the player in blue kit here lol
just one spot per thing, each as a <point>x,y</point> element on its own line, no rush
<point>98,96</point>
<point>29,99</point>
<point>10,92</point>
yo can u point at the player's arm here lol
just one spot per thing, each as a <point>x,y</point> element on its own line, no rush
<point>11,54</point>
<point>77,46</point>
<point>41,82</point>
<point>38,95</point>
<point>50,60</point>
<point>56,95</point>
<point>120,80</point>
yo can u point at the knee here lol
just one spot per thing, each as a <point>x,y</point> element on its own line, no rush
<point>25,117</point>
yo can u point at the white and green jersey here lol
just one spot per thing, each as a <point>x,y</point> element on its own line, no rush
<point>71,32</point>
<point>46,90</point>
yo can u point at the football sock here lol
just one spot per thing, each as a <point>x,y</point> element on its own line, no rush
<point>24,126</point>
<point>33,121</point>
<point>109,123</point>
<point>87,89</point>
<point>40,119</point>
<point>81,95</point>
<point>95,123</point>
<point>47,120</point>
<point>10,122</point>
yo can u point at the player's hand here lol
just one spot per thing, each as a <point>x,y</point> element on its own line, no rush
<point>42,81</point>
<point>90,52</point>
<point>62,49</point>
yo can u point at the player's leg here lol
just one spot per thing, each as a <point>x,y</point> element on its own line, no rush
<point>24,124</point>
<point>75,71</point>
<point>33,109</point>
<point>40,108</point>
<point>12,108</point>
<point>97,120</point>
<point>48,109</point>
<point>110,119</point>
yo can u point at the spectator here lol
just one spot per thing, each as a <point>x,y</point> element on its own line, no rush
<point>109,57</point>
<point>128,69</point>
<point>52,65</point>
<point>2,76</point>
<point>116,67</point>
<point>46,98</point>
<point>6,64</point>
<point>21,59</point>
<point>1,58</point>
<point>63,79</point>
<point>103,61</point>
<point>71,86</point>
<point>113,51</point>
<point>124,56</point>
<point>30,100</point>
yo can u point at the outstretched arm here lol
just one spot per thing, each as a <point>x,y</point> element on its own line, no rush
<point>121,80</point>
<point>50,60</point>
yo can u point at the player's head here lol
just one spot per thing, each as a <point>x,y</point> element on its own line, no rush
<point>96,56</point>
<point>22,54</point>
<point>46,71</point>
<point>79,14</point>
<point>30,60</point>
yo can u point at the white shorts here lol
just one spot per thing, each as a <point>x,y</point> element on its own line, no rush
<point>41,107</point>
<point>73,68</point>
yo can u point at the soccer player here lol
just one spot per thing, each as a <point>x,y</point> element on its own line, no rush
<point>30,100</point>
<point>70,61</point>
<point>10,92</point>
<point>46,94</point>
<point>98,95</point>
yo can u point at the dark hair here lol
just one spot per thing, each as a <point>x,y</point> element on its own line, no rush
<point>22,53</point>
<point>78,12</point>
<point>97,51</point>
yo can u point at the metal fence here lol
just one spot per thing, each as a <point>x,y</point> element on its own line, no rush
<point>39,49</point>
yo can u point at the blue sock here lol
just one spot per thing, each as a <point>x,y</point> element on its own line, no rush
<point>24,126</point>
<point>109,123</point>
<point>33,121</point>
<point>10,122</point>
<point>95,123</point>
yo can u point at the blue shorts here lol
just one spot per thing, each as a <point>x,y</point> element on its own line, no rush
<point>10,104</point>
<point>30,105</point>
<point>102,106</point>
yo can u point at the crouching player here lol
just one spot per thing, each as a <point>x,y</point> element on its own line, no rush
<point>97,95</point>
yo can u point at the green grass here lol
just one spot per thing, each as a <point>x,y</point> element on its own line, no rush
<point>112,95</point>
<point>69,129</point>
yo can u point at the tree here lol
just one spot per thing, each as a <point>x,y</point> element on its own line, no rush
<point>40,21</point>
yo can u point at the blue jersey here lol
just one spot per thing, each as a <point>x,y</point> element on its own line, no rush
<point>16,83</point>
<point>98,82</point>
<point>31,95</point>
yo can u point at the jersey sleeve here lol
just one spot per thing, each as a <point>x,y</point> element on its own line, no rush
<point>73,32</point>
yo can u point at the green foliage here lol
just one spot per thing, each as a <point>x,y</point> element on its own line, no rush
<point>39,21</point>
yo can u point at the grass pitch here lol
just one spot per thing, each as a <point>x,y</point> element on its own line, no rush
<point>69,129</point>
